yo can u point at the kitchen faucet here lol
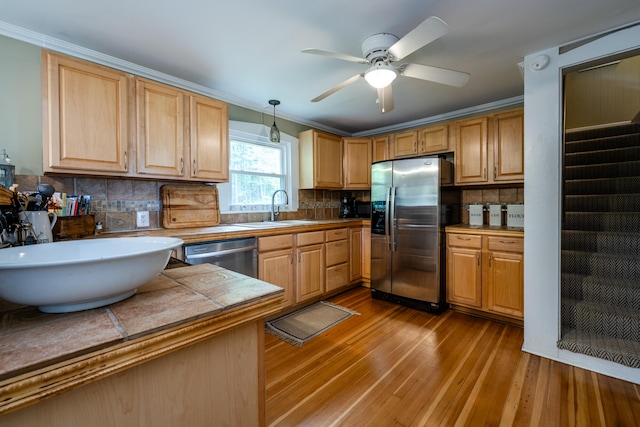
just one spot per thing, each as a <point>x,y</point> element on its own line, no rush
<point>274,214</point>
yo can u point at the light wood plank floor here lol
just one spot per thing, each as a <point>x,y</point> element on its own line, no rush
<point>395,366</point>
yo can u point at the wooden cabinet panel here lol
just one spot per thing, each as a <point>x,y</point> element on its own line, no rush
<point>509,244</point>
<point>434,139</point>
<point>337,252</point>
<point>320,160</point>
<point>160,124</point>
<point>276,267</point>
<point>471,151</point>
<point>366,255</point>
<point>465,240</point>
<point>464,275</point>
<point>270,243</point>
<point>209,141</point>
<point>505,288</point>
<point>355,254</point>
<point>508,146</point>
<point>310,277</point>
<point>337,277</point>
<point>310,238</point>
<point>357,163</point>
<point>380,149</point>
<point>336,234</point>
<point>405,143</point>
<point>86,117</point>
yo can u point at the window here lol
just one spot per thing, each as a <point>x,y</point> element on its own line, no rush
<point>258,168</point>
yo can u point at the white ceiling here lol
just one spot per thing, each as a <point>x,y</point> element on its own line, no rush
<point>248,51</point>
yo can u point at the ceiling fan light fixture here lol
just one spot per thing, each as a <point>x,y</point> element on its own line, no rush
<point>274,134</point>
<point>380,75</point>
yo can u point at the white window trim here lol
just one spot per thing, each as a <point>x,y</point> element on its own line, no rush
<point>258,132</point>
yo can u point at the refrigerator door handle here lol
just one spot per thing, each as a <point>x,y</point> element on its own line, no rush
<point>392,221</point>
<point>386,219</point>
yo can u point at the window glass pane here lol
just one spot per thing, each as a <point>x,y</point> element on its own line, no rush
<point>259,158</point>
<point>251,189</point>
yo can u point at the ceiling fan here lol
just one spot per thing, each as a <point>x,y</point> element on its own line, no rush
<point>382,50</point>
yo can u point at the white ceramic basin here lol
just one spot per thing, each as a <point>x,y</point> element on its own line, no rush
<point>77,275</point>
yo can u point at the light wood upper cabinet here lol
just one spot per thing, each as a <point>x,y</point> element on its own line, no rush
<point>405,143</point>
<point>160,128</point>
<point>357,163</point>
<point>508,146</point>
<point>490,149</point>
<point>433,139</point>
<point>471,163</point>
<point>209,140</point>
<point>320,160</point>
<point>380,148</point>
<point>86,117</point>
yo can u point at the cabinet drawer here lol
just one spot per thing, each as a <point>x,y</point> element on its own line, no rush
<point>310,238</point>
<point>465,240</point>
<point>508,244</point>
<point>336,252</point>
<point>271,243</point>
<point>337,277</point>
<point>337,234</point>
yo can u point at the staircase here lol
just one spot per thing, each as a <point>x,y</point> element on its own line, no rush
<point>600,258</point>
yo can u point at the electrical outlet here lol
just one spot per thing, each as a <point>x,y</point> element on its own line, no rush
<point>142,218</point>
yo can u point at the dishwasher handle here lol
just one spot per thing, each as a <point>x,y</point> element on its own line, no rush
<point>222,252</point>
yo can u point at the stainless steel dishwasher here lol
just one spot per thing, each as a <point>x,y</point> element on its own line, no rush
<point>239,255</point>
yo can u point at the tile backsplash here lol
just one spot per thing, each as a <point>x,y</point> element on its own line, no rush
<point>116,201</point>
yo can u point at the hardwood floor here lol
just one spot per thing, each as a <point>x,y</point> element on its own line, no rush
<point>395,366</point>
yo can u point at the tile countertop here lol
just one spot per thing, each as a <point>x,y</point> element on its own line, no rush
<point>187,301</point>
<point>249,229</point>
<point>485,229</point>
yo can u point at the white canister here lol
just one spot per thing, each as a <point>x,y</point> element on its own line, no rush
<point>515,215</point>
<point>475,215</point>
<point>495,215</point>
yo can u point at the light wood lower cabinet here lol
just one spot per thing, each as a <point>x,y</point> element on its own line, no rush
<point>356,254</point>
<point>486,273</point>
<point>337,258</point>
<point>310,270</point>
<point>366,255</point>
<point>275,264</point>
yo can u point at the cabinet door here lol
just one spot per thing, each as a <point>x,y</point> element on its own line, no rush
<point>434,139</point>
<point>277,267</point>
<point>405,143</point>
<point>209,141</point>
<point>471,151</point>
<point>464,276</point>
<point>380,149</point>
<point>310,272</point>
<point>327,158</point>
<point>160,124</point>
<point>366,255</point>
<point>355,254</point>
<point>85,117</point>
<point>505,287</point>
<point>508,147</point>
<point>357,164</point>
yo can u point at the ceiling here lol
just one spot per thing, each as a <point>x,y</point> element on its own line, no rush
<point>249,51</point>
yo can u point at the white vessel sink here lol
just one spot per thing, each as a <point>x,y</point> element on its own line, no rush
<point>77,275</point>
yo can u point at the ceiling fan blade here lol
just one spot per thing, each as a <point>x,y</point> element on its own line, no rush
<point>338,87</point>
<point>435,74</point>
<point>335,55</point>
<point>385,99</point>
<point>429,30</point>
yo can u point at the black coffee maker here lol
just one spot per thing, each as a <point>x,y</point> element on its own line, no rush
<point>347,207</point>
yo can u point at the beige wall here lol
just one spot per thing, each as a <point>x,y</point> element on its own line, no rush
<point>609,94</point>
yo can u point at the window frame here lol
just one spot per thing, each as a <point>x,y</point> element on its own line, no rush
<point>259,134</point>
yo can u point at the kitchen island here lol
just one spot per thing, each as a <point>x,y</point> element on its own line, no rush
<point>187,349</point>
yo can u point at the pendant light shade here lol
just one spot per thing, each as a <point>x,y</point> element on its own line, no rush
<point>380,75</point>
<point>274,135</point>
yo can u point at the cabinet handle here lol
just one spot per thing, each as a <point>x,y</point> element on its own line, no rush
<point>495,172</point>
<point>478,256</point>
<point>464,238</point>
<point>126,162</point>
<point>507,242</point>
<point>489,260</point>
<point>195,169</point>
<point>291,257</point>
<point>485,173</point>
<point>181,165</point>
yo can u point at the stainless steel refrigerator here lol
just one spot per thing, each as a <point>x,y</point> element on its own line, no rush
<point>412,200</point>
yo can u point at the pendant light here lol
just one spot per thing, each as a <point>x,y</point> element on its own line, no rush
<point>274,135</point>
